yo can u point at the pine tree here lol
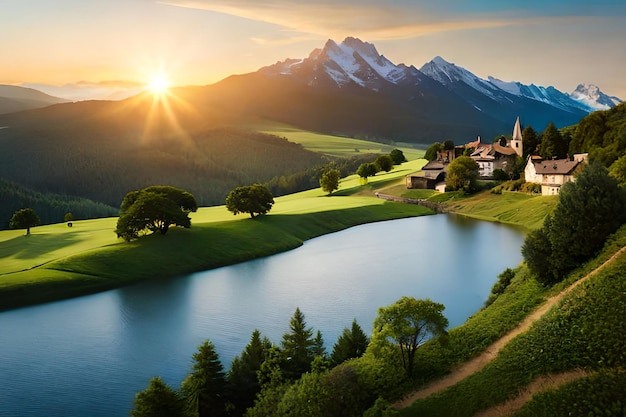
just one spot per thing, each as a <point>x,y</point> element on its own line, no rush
<point>530,141</point>
<point>298,346</point>
<point>242,377</point>
<point>157,400</point>
<point>350,344</point>
<point>204,388</point>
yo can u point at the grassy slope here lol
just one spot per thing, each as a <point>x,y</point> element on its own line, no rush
<point>56,261</point>
<point>585,330</point>
<point>340,146</point>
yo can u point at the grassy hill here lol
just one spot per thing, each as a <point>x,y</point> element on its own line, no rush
<point>56,261</point>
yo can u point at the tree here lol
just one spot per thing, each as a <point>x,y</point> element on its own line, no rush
<point>462,174</point>
<point>253,199</point>
<point>242,376</point>
<point>367,170</point>
<point>552,143</point>
<point>588,211</point>
<point>530,141</point>
<point>618,170</point>
<point>350,344</point>
<point>410,322</point>
<point>298,346</point>
<point>397,156</point>
<point>158,400</point>
<point>329,181</point>
<point>68,217</point>
<point>384,163</point>
<point>24,219</point>
<point>154,208</point>
<point>431,152</point>
<point>204,388</point>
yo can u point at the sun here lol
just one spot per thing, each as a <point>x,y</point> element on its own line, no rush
<point>158,84</point>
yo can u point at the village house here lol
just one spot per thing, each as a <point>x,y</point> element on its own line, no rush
<point>552,173</point>
<point>497,155</point>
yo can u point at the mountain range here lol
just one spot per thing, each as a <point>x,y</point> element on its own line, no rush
<point>14,98</point>
<point>350,89</point>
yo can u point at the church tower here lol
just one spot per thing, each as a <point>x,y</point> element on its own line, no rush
<point>516,142</point>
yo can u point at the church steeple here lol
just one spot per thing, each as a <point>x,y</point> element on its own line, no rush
<point>516,141</point>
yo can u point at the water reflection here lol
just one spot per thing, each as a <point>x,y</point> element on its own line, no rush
<point>88,356</point>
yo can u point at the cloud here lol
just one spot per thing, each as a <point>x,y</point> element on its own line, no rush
<point>374,20</point>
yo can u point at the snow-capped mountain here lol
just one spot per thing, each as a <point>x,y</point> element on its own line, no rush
<point>351,62</point>
<point>590,96</point>
<point>459,79</point>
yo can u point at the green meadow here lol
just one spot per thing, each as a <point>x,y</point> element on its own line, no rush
<point>340,146</point>
<point>57,261</point>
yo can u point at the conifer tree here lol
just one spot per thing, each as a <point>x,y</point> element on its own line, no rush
<point>350,344</point>
<point>242,377</point>
<point>205,387</point>
<point>298,346</point>
<point>157,400</point>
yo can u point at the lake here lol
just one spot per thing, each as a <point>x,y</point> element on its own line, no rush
<point>88,356</point>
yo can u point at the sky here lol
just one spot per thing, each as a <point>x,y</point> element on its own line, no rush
<point>80,49</point>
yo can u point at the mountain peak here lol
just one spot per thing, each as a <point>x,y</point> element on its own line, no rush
<point>591,96</point>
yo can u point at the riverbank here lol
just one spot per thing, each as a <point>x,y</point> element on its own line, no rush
<point>57,262</point>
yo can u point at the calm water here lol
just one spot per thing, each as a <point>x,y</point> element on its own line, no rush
<point>86,357</point>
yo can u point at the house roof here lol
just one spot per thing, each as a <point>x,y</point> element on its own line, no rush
<point>433,165</point>
<point>555,166</point>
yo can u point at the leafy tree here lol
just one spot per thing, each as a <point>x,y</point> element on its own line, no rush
<point>329,181</point>
<point>253,199</point>
<point>397,156</point>
<point>352,343</point>
<point>431,151</point>
<point>273,385</point>
<point>68,217</point>
<point>410,322</point>
<point>384,163</point>
<point>205,387</point>
<point>158,400</point>
<point>462,174</point>
<point>242,376</point>
<point>448,145</point>
<point>618,170</point>
<point>154,208</point>
<point>530,141</point>
<point>298,346</point>
<point>24,219</point>
<point>588,211</point>
<point>367,170</point>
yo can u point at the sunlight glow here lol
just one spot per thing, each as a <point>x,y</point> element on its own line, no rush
<point>158,84</point>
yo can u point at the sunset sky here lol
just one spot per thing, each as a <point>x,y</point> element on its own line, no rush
<point>101,46</point>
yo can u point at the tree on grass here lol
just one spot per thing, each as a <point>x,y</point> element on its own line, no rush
<point>409,323</point>
<point>384,163</point>
<point>158,400</point>
<point>253,199</point>
<point>366,170</point>
<point>462,174</point>
<point>24,219</point>
<point>154,208</point>
<point>397,156</point>
<point>204,388</point>
<point>329,181</point>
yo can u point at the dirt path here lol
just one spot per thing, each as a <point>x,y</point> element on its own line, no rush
<point>539,384</point>
<point>476,364</point>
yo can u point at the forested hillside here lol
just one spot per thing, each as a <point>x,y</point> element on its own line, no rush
<point>51,208</point>
<point>100,151</point>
